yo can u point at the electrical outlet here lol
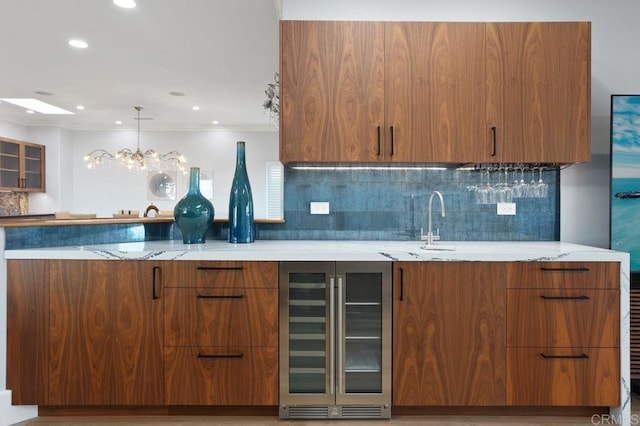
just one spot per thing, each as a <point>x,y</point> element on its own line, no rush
<point>506,209</point>
<point>317,207</point>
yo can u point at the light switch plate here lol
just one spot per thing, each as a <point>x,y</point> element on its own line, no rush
<point>319,207</point>
<point>506,209</point>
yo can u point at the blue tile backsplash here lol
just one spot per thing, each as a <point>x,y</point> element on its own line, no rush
<point>391,204</point>
<point>370,204</point>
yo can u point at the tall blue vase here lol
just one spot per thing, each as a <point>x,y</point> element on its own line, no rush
<point>241,227</point>
<point>194,213</point>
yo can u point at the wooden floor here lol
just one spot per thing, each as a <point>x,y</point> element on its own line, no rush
<point>397,420</point>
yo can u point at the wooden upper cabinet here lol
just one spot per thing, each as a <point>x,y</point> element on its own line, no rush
<point>435,92</point>
<point>538,92</point>
<point>331,91</point>
<point>22,166</point>
<point>435,101</point>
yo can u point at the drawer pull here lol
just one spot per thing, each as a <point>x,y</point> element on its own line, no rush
<point>212,296</point>
<point>564,297</point>
<point>581,356</point>
<point>219,268</point>
<point>564,269</point>
<point>240,355</point>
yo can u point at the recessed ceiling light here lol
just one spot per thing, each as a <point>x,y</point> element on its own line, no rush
<point>118,122</point>
<point>36,105</point>
<point>80,107</point>
<point>30,111</point>
<point>176,93</point>
<point>43,93</point>
<point>80,44</point>
<point>215,122</point>
<point>126,4</point>
<point>196,108</point>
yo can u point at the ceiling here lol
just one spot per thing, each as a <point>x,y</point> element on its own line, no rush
<point>220,53</point>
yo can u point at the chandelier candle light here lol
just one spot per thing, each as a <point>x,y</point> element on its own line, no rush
<point>138,161</point>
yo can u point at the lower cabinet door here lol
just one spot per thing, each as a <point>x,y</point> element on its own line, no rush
<point>221,376</point>
<point>563,377</point>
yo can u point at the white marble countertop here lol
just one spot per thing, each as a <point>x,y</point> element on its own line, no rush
<point>300,250</point>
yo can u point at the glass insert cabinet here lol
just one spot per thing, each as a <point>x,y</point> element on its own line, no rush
<point>335,339</point>
<point>22,166</point>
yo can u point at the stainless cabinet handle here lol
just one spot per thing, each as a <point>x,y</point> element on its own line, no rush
<point>379,141</point>
<point>332,337</point>
<point>340,339</point>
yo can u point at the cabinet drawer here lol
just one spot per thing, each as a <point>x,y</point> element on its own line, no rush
<point>563,275</point>
<point>563,377</point>
<point>219,274</point>
<point>220,317</point>
<point>563,318</point>
<point>217,376</point>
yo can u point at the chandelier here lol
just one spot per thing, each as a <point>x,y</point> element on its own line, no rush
<point>136,161</point>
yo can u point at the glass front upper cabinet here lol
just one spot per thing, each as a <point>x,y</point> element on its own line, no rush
<point>22,166</point>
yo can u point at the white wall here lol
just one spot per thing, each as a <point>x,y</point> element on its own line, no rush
<point>107,191</point>
<point>614,64</point>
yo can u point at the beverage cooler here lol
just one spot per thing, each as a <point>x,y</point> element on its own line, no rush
<point>335,339</point>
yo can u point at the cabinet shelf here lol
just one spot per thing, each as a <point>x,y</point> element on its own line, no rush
<point>363,337</point>
<point>307,285</point>
<point>362,370</point>
<point>307,303</point>
<point>307,370</point>
<point>307,336</point>
<point>307,319</point>
<point>309,354</point>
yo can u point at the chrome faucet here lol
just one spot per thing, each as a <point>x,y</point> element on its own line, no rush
<point>430,238</point>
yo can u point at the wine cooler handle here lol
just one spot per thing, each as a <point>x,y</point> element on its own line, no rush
<point>332,337</point>
<point>340,339</point>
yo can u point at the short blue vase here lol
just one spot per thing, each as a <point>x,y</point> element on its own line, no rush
<point>241,226</point>
<point>194,213</point>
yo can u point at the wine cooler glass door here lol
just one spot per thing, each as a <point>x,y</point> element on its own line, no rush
<point>307,338</point>
<point>364,332</point>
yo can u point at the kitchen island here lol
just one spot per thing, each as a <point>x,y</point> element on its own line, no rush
<point>363,251</point>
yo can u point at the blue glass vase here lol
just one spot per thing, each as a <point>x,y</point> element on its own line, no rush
<point>241,227</point>
<point>194,213</point>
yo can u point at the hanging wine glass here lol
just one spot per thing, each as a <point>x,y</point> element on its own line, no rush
<point>542,189</point>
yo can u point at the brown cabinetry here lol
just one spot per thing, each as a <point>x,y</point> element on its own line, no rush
<point>83,333</point>
<point>434,97</point>
<point>105,334</point>
<point>563,334</point>
<point>221,332</point>
<point>439,92</point>
<point>22,166</point>
<point>538,92</point>
<point>331,91</point>
<point>28,331</point>
<point>449,334</point>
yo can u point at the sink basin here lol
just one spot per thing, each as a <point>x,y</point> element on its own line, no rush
<point>437,247</point>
